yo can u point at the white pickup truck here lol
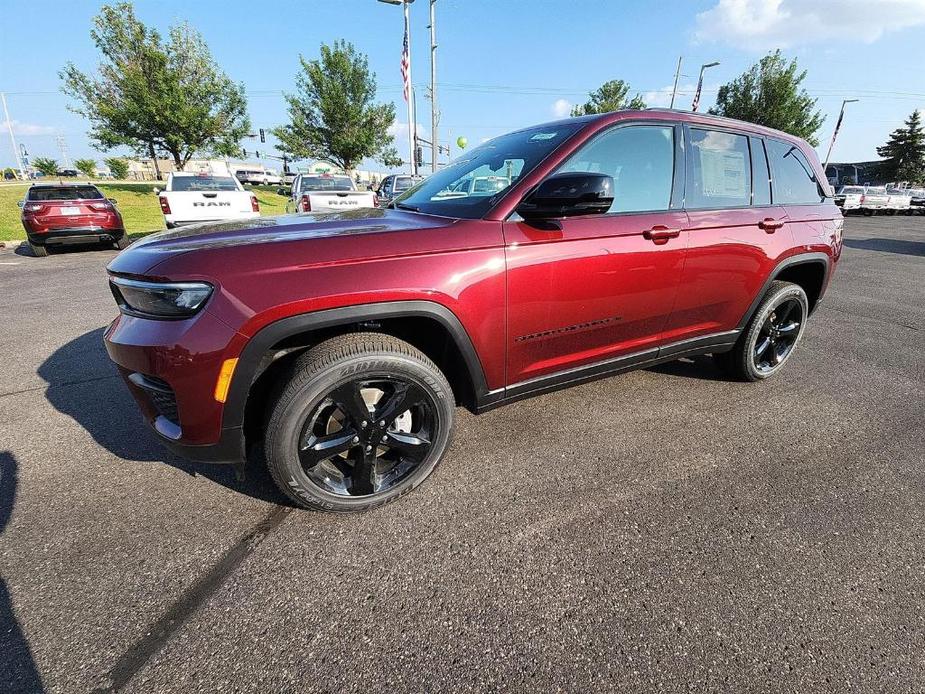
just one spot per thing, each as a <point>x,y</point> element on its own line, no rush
<point>190,198</point>
<point>326,193</point>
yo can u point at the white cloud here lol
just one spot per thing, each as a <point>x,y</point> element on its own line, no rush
<point>399,129</point>
<point>561,108</point>
<point>765,24</point>
<point>25,129</point>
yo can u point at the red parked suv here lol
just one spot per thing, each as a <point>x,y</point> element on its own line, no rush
<point>541,259</point>
<point>66,213</point>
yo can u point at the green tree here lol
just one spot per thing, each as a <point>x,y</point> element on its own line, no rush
<point>156,96</point>
<point>48,167</point>
<point>610,96</point>
<point>333,115</point>
<point>770,93</point>
<point>86,166</point>
<point>118,167</point>
<point>904,152</point>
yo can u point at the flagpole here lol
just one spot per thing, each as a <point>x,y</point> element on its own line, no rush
<point>834,135</point>
<point>696,104</point>
<point>412,135</point>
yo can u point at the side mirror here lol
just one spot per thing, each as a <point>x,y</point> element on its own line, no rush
<point>282,191</point>
<point>157,191</point>
<point>20,203</point>
<point>568,195</point>
<point>113,201</point>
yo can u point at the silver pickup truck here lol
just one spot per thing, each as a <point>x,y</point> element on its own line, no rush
<point>326,193</point>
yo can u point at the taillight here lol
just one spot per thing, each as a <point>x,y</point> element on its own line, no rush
<point>862,200</point>
<point>305,204</point>
<point>100,206</point>
<point>255,206</point>
<point>165,206</point>
<point>34,208</point>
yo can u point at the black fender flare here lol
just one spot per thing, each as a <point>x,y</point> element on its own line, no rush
<point>816,258</point>
<point>249,361</point>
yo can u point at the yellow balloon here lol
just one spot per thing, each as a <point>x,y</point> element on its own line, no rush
<point>461,142</point>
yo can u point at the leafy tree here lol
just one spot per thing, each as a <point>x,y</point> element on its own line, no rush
<point>48,167</point>
<point>118,167</point>
<point>610,96</point>
<point>333,115</point>
<point>904,152</point>
<point>154,95</point>
<point>86,166</point>
<point>770,93</point>
<point>8,173</point>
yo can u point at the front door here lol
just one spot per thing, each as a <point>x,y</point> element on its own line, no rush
<point>587,289</point>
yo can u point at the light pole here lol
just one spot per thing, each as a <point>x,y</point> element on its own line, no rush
<point>700,84</point>
<point>841,114</point>
<point>412,134</point>
<point>434,140</point>
<point>9,125</point>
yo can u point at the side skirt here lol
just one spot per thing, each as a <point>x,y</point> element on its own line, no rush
<point>707,344</point>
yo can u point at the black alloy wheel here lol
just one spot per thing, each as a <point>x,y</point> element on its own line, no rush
<point>367,435</point>
<point>778,336</point>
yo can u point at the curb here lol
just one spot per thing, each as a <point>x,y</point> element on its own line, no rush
<point>11,244</point>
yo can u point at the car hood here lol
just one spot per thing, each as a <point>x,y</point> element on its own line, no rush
<point>143,255</point>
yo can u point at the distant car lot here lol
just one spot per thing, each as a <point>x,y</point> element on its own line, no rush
<point>661,530</point>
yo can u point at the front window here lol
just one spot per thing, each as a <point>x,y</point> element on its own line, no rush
<point>470,186</point>
<point>206,183</point>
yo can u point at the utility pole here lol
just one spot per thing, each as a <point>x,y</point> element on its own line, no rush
<point>841,115</point>
<point>9,125</point>
<point>677,74</point>
<point>412,123</point>
<point>435,141</point>
<point>62,147</point>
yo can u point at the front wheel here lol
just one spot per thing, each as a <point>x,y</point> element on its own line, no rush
<point>122,243</point>
<point>771,335</point>
<point>363,419</point>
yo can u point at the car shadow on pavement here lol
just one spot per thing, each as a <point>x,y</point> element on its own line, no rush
<point>702,367</point>
<point>18,672</point>
<point>888,246</point>
<point>85,385</point>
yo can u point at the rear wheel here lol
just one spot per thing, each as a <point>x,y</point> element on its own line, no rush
<point>363,419</point>
<point>38,250</point>
<point>122,243</point>
<point>771,335</point>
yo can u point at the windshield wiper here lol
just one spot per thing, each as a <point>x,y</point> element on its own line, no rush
<point>404,206</point>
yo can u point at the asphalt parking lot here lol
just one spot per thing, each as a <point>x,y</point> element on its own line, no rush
<point>663,530</point>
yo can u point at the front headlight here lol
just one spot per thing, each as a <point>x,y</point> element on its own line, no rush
<point>159,299</point>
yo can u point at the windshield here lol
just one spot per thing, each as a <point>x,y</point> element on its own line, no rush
<point>204,183</point>
<point>469,187</point>
<point>65,193</point>
<point>325,183</point>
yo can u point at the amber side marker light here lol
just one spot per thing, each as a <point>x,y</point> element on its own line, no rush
<point>224,379</point>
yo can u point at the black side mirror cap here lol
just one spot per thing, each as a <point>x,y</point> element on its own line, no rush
<point>569,195</point>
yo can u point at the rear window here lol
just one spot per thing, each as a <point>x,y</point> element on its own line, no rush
<point>204,183</point>
<point>719,173</point>
<point>876,190</point>
<point>65,193</point>
<point>852,190</point>
<point>402,184</point>
<point>325,183</point>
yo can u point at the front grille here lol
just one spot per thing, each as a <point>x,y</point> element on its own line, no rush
<point>160,394</point>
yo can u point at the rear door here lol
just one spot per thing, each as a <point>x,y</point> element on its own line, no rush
<point>736,232</point>
<point>586,289</point>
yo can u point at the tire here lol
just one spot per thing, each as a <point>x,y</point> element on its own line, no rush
<point>317,411</point>
<point>123,243</point>
<point>38,251</point>
<point>770,338</point>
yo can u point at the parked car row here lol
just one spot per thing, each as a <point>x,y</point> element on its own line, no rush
<point>872,200</point>
<point>258,177</point>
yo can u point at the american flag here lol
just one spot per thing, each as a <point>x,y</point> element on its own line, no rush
<point>697,95</point>
<point>405,66</point>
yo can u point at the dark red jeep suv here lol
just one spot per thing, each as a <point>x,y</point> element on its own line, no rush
<point>541,259</point>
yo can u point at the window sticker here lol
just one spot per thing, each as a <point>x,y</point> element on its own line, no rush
<point>724,174</point>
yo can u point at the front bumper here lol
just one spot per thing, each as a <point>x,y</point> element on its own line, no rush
<point>170,367</point>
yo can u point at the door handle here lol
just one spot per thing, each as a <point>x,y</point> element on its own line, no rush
<point>770,225</point>
<point>660,234</point>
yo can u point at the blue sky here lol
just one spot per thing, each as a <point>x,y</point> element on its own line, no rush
<point>501,65</point>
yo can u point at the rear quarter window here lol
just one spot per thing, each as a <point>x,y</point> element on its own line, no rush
<point>794,180</point>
